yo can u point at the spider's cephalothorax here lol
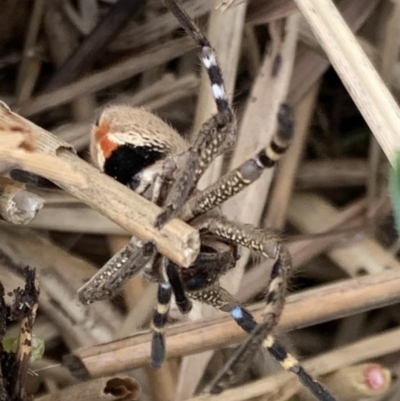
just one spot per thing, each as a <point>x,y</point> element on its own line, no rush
<point>141,151</point>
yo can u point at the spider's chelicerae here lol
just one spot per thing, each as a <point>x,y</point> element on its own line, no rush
<point>139,150</point>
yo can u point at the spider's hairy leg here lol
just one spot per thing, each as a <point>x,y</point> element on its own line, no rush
<point>158,324</point>
<point>291,364</point>
<point>221,299</point>
<point>243,356</point>
<point>241,177</point>
<point>216,135</point>
<point>129,261</point>
<point>208,57</point>
<point>268,245</point>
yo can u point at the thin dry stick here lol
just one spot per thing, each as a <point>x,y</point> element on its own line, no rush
<point>355,14</point>
<point>335,301</point>
<point>362,81</point>
<point>62,41</point>
<point>332,173</point>
<point>309,213</point>
<point>157,28</point>
<point>70,218</point>
<point>110,76</point>
<point>16,149</point>
<point>389,56</point>
<point>29,67</point>
<point>178,241</point>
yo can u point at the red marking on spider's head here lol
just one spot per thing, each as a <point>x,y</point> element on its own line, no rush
<point>375,377</point>
<point>101,136</point>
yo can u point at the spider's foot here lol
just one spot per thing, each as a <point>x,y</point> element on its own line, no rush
<point>157,350</point>
<point>184,306</point>
<point>164,217</point>
<point>244,318</point>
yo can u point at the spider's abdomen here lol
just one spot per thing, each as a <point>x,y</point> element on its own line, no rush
<point>127,140</point>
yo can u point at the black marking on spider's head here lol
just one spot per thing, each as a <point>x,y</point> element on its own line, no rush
<point>127,160</point>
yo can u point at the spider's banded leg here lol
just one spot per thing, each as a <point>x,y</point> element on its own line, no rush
<point>158,323</point>
<point>243,356</point>
<point>221,299</point>
<point>238,179</point>
<point>208,57</point>
<point>182,301</point>
<point>129,261</point>
<point>216,135</point>
<point>268,245</point>
<point>290,363</point>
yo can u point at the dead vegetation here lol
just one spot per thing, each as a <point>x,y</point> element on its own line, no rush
<point>61,62</point>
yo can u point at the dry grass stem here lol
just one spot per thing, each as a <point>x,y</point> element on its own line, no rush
<point>362,81</point>
<point>18,148</point>
<point>308,212</point>
<point>75,218</point>
<point>336,300</point>
<point>110,76</point>
<point>342,172</point>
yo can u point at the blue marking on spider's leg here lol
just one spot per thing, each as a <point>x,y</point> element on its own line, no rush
<point>243,318</point>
